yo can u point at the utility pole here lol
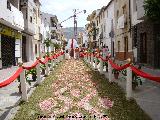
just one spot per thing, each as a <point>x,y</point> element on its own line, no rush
<point>75,24</point>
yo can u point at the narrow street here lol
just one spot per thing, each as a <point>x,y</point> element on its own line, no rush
<point>75,91</point>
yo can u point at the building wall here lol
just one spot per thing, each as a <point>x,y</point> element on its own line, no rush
<point>140,9</point>
<point>122,8</point>
<point>109,24</point>
<point>145,27</point>
<point>11,25</point>
<point>134,21</point>
<point>37,23</point>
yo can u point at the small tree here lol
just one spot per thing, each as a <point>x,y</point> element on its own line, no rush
<point>47,43</point>
<point>152,8</point>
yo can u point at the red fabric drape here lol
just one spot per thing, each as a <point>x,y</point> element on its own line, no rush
<point>32,66</point>
<point>144,75</point>
<point>118,67</point>
<point>12,78</point>
<point>45,61</point>
<point>72,44</point>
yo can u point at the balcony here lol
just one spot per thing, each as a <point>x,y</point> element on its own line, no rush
<point>11,16</point>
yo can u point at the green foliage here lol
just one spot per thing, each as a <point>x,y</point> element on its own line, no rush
<point>152,8</point>
<point>136,80</point>
<point>43,66</point>
<point>57,46</point>
<point>32,71</point>
<point>114,71</point>
<point>47,42</point>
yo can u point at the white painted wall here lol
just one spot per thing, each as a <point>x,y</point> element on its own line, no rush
<point>134,13</point>
<point>109,25</point>
<point>134,18</point>
<point>13,18</point>
<point>0,54</point>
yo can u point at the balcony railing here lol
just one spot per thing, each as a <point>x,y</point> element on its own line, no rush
<point>11,16</point>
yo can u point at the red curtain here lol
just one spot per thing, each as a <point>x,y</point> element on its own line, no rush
<point>72,44</point>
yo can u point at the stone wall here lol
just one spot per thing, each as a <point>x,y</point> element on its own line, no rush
<point>145,27</point>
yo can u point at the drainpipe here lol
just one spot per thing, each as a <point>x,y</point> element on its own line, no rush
<point>130,17</point>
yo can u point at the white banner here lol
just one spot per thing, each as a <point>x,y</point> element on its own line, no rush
<point>18,48</point>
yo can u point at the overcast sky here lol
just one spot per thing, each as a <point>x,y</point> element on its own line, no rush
<point>64,9</point>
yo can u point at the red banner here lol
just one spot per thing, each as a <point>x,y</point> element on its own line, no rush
<point>72,44</point>
<point>104,60</point>
<point>118,67</point>
<point>45,61</point>
<point>31,67</point>
<point>144,75</point>
<point>12,78</point>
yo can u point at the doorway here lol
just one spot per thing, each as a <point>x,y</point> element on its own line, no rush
<point>125,47</point>
<point>8,51</point>
<point>24,56</point>
<point>157,51</point>
<point>143,48</point>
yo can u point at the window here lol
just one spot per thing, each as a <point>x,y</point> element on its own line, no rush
<point>117,13</point>
<point>118,46</point>
<point>31,19</point>
<point>26,14</point>
<point>104,28</point>
<point>39,29</point>
<point>126,44</point>
<point>97,22</point>
<point>124,9</point>
<point>8,5</point>
<point>35,48</point>
<point>38,12</point>
<point>107,13</point>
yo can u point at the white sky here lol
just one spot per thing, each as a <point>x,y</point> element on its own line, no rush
<point>64,9</point>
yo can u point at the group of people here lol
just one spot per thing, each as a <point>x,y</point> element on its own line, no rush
<point>75,53</point>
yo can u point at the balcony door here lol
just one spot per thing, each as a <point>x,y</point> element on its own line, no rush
<point>143,48</point>
<point>125,47</point>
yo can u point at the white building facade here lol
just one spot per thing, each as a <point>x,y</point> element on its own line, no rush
<point>11,26</point>
<point>108,25</point>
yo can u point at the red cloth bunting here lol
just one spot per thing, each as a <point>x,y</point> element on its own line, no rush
<point>31,67</point>
<point>144,75</point>
<point>12,78</point>
<point>118,67</point>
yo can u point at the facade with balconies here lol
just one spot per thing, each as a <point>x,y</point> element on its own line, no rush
<point>123,38</point>
<point>27,7</point>
<point>11,26</point>
<point>51,29</point>
<point>109,24</point>
<point>146,36</point>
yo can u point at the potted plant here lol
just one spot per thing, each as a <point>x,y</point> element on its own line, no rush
<point>116,73</point>
<point>136,80</point>
<point>33,72</point>
<point>19,86</point>
<point>43,67</point>
<point>106,64</point>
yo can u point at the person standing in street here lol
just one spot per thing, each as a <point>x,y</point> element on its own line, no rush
<point>77,53</point>
<point>105,51</point>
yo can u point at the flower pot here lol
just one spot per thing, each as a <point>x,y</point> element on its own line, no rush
<point>34,77</point>
<point>19,87</point>
<point>116,75</point>
<point>43,71</point>
<point>134,85</point>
